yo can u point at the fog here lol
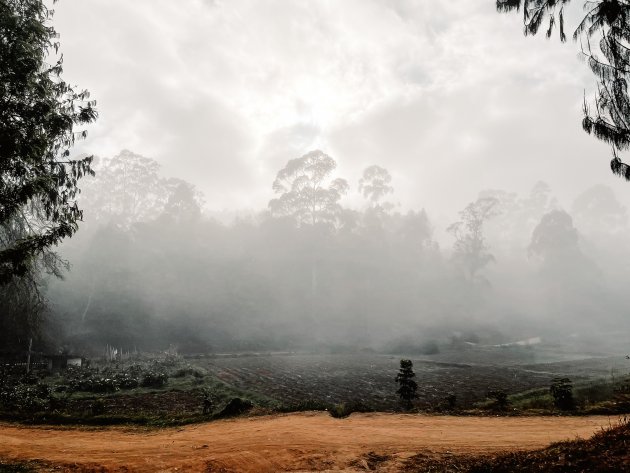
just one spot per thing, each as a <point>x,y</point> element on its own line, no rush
<point>451,197</point>
<point>338,269</point>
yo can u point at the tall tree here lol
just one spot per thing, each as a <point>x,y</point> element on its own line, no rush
<point>375,184</point>
<point>38,114</point>
<point>305,191</point>
<point>470,248</point>
<point>608,23</point>
<point>408,388</point>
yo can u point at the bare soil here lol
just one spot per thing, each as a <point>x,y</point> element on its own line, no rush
<point>311,441</point>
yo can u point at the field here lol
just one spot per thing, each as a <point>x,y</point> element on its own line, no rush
<point>365,378</point>
<point>165,390</point>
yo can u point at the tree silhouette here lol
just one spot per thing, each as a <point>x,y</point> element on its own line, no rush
<point>470,248</point>
<point>375,184</point>
<point>555,236</point>
<point>304,195</point>
<point>38,113</point>
<point>608,118</point>
<point>407,386</point>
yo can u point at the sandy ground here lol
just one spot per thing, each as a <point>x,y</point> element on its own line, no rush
<point>292,442</point>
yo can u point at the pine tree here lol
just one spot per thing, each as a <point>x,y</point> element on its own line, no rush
<point>407,386</point>
<point>608,22</point>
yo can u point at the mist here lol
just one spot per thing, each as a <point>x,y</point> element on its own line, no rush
<point>153,268</point>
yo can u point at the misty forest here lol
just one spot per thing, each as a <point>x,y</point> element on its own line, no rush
<point>330,223</point>
<point>149,269</point>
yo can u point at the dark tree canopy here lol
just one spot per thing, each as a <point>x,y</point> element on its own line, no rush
<point>38,114</point>
<point>604,35</point>
<point>407,386</point>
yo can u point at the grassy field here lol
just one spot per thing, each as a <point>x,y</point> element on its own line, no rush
<point>170,390</point>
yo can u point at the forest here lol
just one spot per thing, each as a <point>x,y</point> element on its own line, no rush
<point>150,269</point>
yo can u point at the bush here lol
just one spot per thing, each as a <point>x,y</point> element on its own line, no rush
<point>236,406</point>
<point>451,401</point>
<point>561,391</point>
<point>154,379</point>
<point>500,399</point>
<point>25,398</point>
<point>344,409</point>
<point>98,407</point>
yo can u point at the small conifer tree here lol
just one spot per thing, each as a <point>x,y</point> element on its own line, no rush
<point>407,386</point>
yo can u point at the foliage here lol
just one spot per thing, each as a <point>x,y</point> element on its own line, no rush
<point>23,394</point>
<point>109,380</point>
<point>407,386</point>
<point>608,22</point>
<point>561,390</point>
<point>129,190</point>
<point>344,409</point>
<point>470,248</point>
<point>451,401</point>
<point>500,399</point>
<point>375,184</point>
<point>555,233</point>
<point>154,378</point>
<point>304,195</point>
<point>38,113</point>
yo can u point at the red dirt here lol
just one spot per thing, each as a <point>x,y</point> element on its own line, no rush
<point>294,442</point>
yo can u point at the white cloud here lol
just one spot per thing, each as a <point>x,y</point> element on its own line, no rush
<point>448,95</point>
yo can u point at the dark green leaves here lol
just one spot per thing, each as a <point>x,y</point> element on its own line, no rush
<point>38,113</point>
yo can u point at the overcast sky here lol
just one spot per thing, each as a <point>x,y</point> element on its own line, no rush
<point>449,96</point>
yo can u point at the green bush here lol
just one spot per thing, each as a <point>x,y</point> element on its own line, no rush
<point>561,391</point>
<point>154,379</point>
<point>500,399</point>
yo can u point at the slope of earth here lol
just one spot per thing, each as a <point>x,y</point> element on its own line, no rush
<point>295,442</point>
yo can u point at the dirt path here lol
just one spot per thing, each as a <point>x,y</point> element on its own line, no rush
<point>294,442</point>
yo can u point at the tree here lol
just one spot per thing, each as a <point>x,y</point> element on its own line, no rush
<point>407,386</point>
<point>555,237</point>
<point>375,184</point>
<point>608,118</point>
<point>304,195</point>
<point>128,189</point>
<point>470,248</point>
<point>597,211</point>
<point>38,114</point>
<point>561,390</point>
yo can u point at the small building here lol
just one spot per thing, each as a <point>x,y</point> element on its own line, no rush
<point>61,362</point>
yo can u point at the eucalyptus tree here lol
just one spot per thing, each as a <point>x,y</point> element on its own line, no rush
<point>128,189</point>
<point>604,35</point>
<point>306,191</point>
<point>470,249</point>
<point>375,184</point>
<point>310,197</point>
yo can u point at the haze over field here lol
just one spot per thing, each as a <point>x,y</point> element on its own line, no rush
<point>372,175</point>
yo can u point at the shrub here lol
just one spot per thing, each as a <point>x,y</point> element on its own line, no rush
<point>154,379</point>
<point>98,407</point>
<point>344,409</point>
<point>451,401</point>
<point>20,397</point>
<point>561,391</point>
<point>500,399</point>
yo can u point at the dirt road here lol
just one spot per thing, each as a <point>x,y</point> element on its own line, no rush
<point>293,442</point>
